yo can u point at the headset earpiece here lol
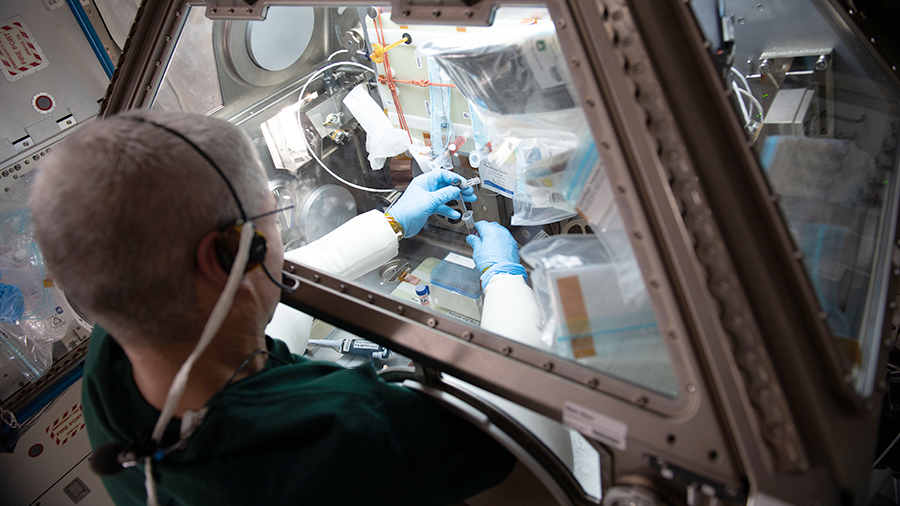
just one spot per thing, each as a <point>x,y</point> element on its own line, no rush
<point>227,245</point>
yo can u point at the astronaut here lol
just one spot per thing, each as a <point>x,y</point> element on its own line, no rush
<point>129,212</point>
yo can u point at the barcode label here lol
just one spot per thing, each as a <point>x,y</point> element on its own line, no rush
<point>556,198</point>
<point>418,61</point>
<point>555,73</point>
<point>467,115</point>
<point>427,108</point>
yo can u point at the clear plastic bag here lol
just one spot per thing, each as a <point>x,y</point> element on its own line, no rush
<point>538,199</point>
<point>518,70</point>
<point>591,291</point>
<point>44,316</point>
<point>530,156</point>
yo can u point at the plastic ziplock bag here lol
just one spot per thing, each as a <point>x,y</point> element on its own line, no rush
<point>530,155</point>
<point>517,70</point>
<point>44,318</point>
<point>591,289</point>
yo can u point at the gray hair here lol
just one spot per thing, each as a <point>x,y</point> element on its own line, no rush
<point>121,205</point>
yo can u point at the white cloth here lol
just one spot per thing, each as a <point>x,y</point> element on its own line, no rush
<point>365,243</point>
<point>382,139</point>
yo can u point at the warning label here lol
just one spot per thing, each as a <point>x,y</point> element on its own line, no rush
<point>66,426</point>
<point>20,54</point>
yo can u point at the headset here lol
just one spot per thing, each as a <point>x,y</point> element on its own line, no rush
<point>237,244</point>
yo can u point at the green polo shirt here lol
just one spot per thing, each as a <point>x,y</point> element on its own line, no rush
<point>297,432</point>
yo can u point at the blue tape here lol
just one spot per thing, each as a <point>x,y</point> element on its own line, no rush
<point>91,36</point>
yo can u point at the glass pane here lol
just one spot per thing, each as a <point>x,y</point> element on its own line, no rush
<point>824,123</point>
<point>495,105</point>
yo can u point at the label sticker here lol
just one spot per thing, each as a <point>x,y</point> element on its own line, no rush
<point>466,115</point>
<point>418,61</point>
<point>594,425</point>
<point>428,108</point>
<point>540,236</point>
<point>597,197</point>
<point>460,260</point>
<point>66,426</point>
<point>20,54</point>
<point>543,57</point>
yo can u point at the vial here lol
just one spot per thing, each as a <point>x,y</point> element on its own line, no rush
<point>470,223</point>
<point>422,293</point>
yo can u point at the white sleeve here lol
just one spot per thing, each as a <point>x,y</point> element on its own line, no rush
<point>351,250</point>
<point>511,310</point>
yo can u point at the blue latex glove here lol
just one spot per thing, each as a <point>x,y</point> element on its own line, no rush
<point>495,252</point>
<point>428,194</point>
<point>12,303</point>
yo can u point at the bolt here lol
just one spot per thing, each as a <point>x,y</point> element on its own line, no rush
<point>638,236</point>
<point>431,322</point>
<point>467,335</point>
<point>654,283</point>
<point>157,63</point>
<point>168,38</point>
<point>590,102</point>
<point>742,21</point>
<point>342,287</point>
<point>621,189</point>
<point>691,388</point>
<point>405,12</point>
<point>575,62</point>
<point>230,11</point>
<point>400,309</point>
<point>822,63</point>
<point>617,16</point>
<point>892,305</point>
<point>760,7</point>
<point>593,382</point>
<point>436,13</point>
<point>547,366</point>
<point>371,298</point>
<point>560,23</point>
<point>641,401</point>
<point>291,268</point>
<point>765,66</point>
<point>506,350</point>
<point>468,13</point>
<point>177,14</point>
<point>148,87</point>
<point>316,278</point>
<point>249,11</point>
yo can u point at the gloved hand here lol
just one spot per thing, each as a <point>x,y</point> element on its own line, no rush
<point>495,252</point>
<point>428,194</point>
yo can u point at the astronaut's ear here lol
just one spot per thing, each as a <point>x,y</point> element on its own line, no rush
<point>208,264</point>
